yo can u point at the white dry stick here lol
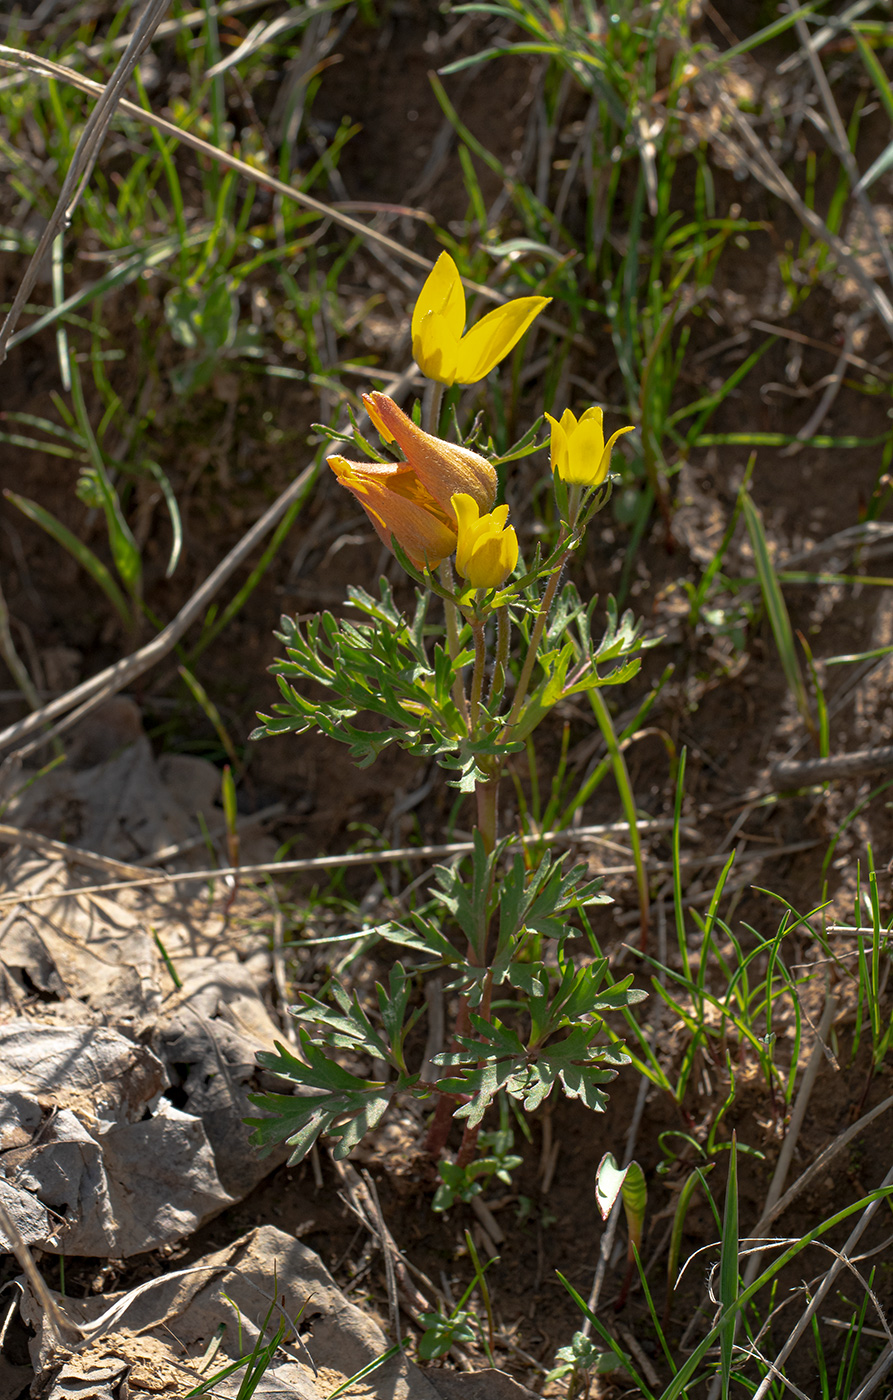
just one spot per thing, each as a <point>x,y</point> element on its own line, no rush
<point>826,1284</point>
<point>16,58</point>
<point>842,149</point>
<point>877,1373</point>
<point>114,678</point>
<point>821,1164</point>
<point>285,867</point>
<point>84,159</point>
<point>55,1323</point>
<point>769,174</point>
<point>786,1155</point>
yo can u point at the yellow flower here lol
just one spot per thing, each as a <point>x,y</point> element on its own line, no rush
<point>441,351</point>
<point>412,500</point>
<point>580,454</point>
<point>487,550</point>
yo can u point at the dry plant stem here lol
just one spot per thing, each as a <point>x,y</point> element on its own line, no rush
<point>110,681</point>
<point>805,772</point>
<point>825,1286</point>
<point>876,1375</point>
<point>284,867</point>
<point>842,146</point>
<point>55,1323</point>
<point>786,1156</point>
<point>37,63</point>
<point>16,58</point>
<point>770,175</point>
<point>820,1165</point>
<point>83,160</point>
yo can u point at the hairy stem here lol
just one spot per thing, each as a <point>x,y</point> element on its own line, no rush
<point>431,407</point>
<point>451,614</point>
<point>503,638</point>
<point>487,794</point>
<point>477,680</point>
<point>536,637</point>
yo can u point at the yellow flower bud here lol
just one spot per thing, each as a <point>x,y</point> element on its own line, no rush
<point>487,549</point>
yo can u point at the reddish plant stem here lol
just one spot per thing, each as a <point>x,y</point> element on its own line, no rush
<point>442,1121</point>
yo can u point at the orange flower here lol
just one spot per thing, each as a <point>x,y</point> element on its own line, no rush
<point>412,500</point>
<point>441,467</point>
<point>398,505</point>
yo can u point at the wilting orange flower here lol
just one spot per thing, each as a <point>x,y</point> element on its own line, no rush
<point>487,549</point>
<point>441,350</point>
<point>412,500</point>
<point>397,504</point>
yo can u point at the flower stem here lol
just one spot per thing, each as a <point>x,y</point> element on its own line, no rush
<point>451,615</point>
<point>533,648</point>
<point>487,794</point>
<point>477,680</point>
<point>503,637</point>
<point>431,406</point>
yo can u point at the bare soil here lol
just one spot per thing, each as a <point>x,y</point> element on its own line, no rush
<point>730,709</point>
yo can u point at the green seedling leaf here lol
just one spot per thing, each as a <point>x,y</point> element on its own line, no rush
<point>173,510</point>
<point>95,486</point>
<point>777,611</point>
<point>628,1182</point>
<point>582,1358</point>
<point>685,1195</point>
<point>442,1332</point>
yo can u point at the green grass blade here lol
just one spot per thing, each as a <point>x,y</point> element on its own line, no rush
<point>728,1272</point>
<point>779,619</point>
<point>84,556</point>
<point>628,801</point>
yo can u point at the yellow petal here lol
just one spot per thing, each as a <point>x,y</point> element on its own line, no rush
<point>494,336</point>
<point>443,294</point>
<point>435,347</point>
<point>486,552</point>
<point>558,446</point>
<point>586,449</point>
<point>569,422</point>
<point>467,519</point>
<point>606,455</point>
<point>493,559</point>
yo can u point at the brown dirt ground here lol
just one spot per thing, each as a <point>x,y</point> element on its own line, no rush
<point>225,471</point>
